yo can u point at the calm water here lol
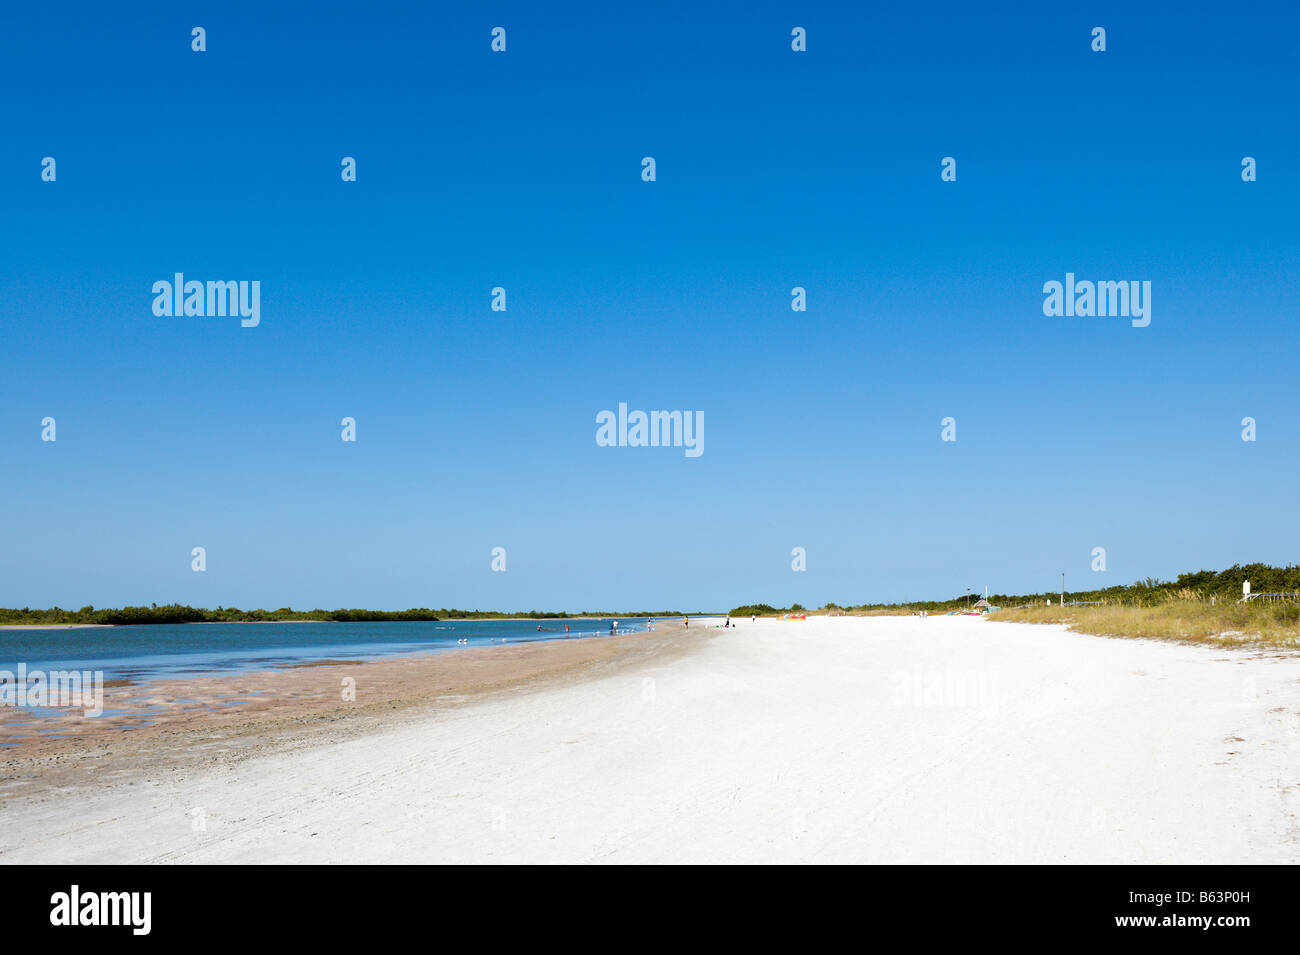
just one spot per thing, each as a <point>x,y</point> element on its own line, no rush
<point>181,650</point>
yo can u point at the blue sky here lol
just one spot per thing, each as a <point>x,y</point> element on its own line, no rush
<point>476,429</point>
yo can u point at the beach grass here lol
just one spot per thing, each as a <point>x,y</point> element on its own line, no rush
<point>1184,615</point>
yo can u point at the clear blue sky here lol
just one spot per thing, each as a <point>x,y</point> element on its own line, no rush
<point>775,169</point>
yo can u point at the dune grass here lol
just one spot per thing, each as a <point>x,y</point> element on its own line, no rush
<point>1184,615</point>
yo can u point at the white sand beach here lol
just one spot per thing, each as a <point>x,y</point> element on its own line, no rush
<point>880,739</point>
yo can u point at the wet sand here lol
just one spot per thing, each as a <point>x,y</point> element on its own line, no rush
<point>171,724</point>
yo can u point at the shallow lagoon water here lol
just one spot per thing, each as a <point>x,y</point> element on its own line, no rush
<point>166,651</point>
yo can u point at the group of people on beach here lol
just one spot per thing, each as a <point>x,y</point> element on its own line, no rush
<point>612,627</point>
<point>727,624</point>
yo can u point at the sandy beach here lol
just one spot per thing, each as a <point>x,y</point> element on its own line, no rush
<point>867,739</point>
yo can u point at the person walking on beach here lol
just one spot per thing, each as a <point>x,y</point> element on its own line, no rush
<point>688,621</point>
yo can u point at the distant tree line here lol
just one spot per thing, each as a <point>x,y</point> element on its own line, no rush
<point>764,610</point>
<point>1221,584</point>
<point>181,613</point>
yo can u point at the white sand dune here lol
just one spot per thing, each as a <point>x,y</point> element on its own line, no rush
<point>943,739</point>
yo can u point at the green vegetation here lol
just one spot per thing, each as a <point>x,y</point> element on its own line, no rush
<point>1183,615</point>
<point>180,613</point>
<point>1223,585</point>
<point>1203,606</point>
<point>764,610</point>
